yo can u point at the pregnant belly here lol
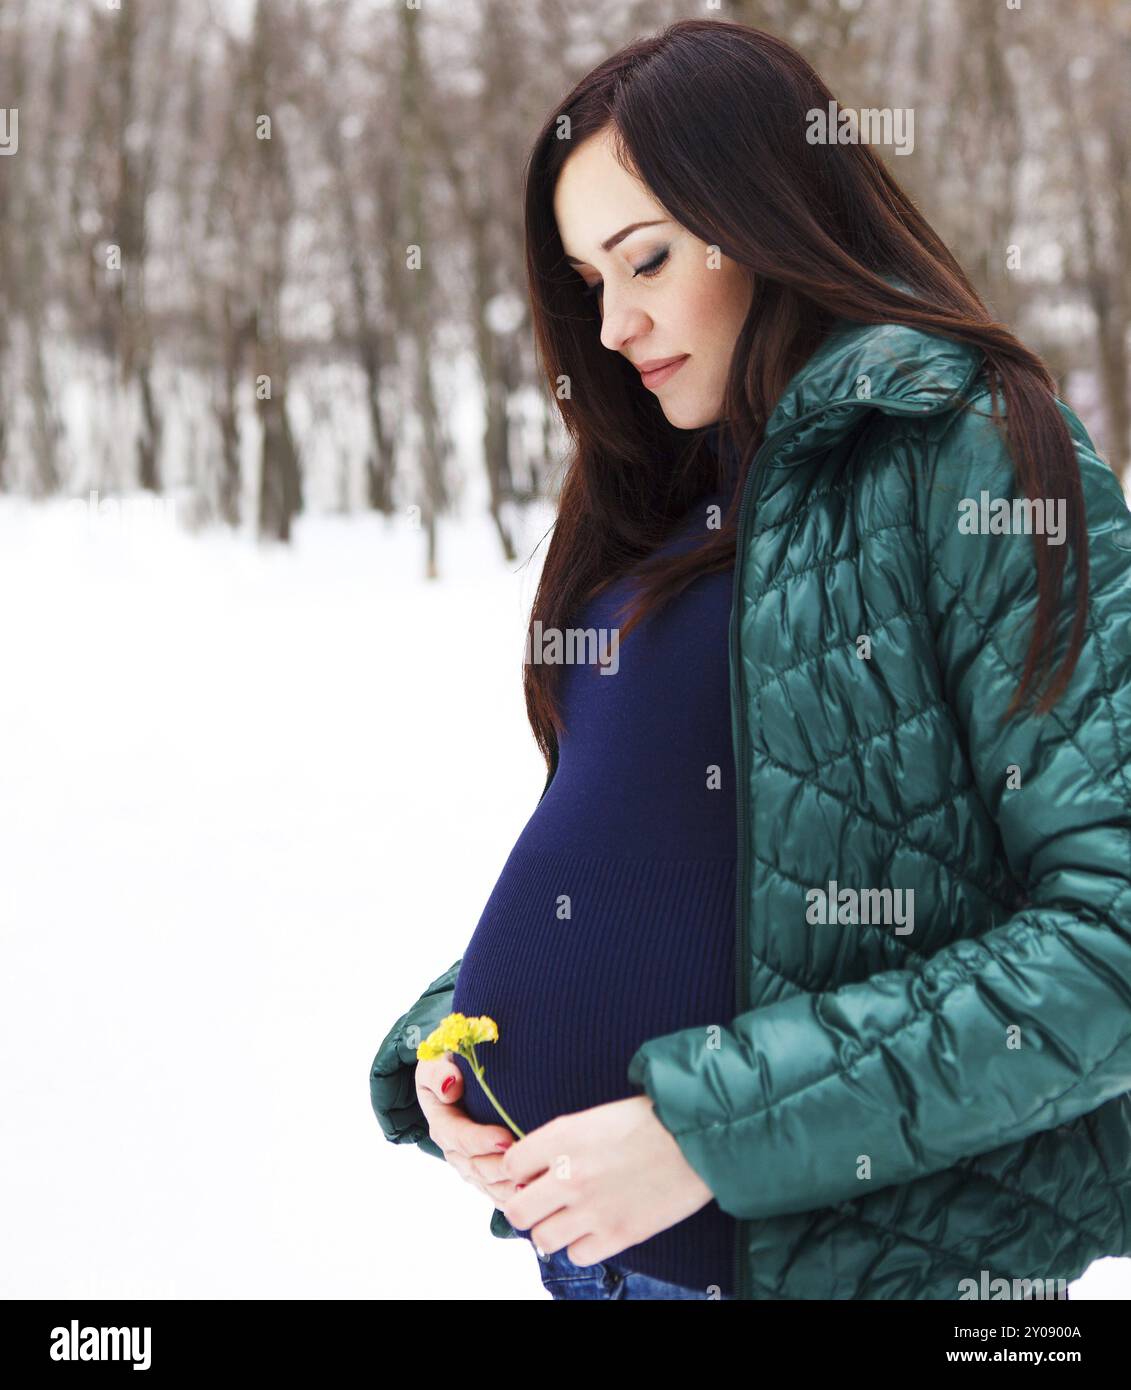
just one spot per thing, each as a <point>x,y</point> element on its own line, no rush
<point>581,959</point>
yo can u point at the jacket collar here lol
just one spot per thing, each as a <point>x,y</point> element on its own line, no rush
<point>885,366</point>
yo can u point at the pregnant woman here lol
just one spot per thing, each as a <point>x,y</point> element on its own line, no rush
<point>812,966</point>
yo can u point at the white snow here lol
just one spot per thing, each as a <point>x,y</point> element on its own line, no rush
<point>254,801</point>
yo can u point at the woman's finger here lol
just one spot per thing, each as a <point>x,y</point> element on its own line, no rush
<point>440,1078</point>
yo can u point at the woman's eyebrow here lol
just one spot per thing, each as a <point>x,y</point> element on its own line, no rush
<point>620,236</point>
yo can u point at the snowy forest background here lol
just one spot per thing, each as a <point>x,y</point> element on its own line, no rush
<point>271,506</point>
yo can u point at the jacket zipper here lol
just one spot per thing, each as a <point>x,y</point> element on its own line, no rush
<point>738,693</point>
<point>739,733</point>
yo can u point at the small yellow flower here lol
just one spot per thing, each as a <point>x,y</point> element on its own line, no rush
<point>483,1029</point>
<point>458,1033</point>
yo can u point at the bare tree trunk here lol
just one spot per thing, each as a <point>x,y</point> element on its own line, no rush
<point>280,482</point>
<point>474,199</point>
<point>1119,181</point>
<point>233,340</point>
<point>234,318</point>
<point>46,429</point>
<point>494,361</point>
<point>5,348</point>
<point>1001,192</point>
<point>11,76</point>
<point>413,99</point>
<point>381,474</point>
<point>379,460</point>
<point>1103,294</point>
<point>280,488</point>
<point>26,189</point>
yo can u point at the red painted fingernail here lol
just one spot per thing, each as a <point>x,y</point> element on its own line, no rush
<point>450,1081</point>
<point>504,1144</point>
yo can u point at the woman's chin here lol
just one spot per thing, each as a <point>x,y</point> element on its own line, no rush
<point>684,415</point>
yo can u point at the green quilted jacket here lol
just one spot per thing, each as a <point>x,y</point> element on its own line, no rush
<point>890,1113</point>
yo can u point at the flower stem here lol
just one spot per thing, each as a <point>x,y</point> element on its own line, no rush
<point>478,1070</point>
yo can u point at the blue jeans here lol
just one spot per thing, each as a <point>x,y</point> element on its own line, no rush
<point>607,1280</point>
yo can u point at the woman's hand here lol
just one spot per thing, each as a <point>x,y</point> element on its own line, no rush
<point>599,1180</point>
<point>472,1149</point>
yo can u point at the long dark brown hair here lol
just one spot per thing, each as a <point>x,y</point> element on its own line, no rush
<point>712,117</point>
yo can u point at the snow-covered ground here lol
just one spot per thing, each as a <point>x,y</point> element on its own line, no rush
<point>253,801</point>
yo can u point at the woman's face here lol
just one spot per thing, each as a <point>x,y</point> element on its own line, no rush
<point>663,295</point>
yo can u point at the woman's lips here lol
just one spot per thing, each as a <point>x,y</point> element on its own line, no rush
<point>657,374</point>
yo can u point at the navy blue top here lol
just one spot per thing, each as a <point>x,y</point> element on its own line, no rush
<point>613,920</point>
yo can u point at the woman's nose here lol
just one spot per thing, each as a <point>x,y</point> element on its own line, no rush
<point>620,322</point>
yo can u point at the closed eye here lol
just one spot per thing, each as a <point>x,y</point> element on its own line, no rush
<point>648,269</point>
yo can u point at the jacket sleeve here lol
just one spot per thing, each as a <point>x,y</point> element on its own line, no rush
<point>392,1077</point>
<point>990,1039</point>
